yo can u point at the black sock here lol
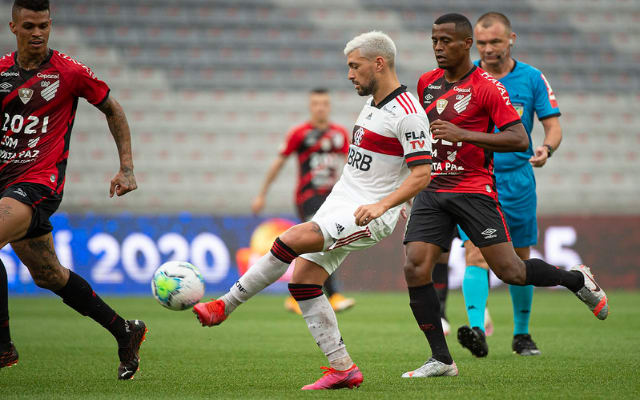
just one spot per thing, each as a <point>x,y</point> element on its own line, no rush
<point>331,286</point>
<point>440,277</point>
<point>77,294</point>
<point>5,336</point>
<point>426,310</point>
<point>539,273</point>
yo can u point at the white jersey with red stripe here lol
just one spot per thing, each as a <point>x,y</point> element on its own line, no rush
<point>388,138</point>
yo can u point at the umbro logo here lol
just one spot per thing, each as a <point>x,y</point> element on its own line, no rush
<point>340,228</point>
<point>489,233</point>
<point>5,87</point>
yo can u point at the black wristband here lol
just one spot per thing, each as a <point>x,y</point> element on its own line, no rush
<point>549,150</point>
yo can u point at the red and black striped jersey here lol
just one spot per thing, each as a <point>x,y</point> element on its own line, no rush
<point>477,102</point>
<point>38,111</point>
<point>321,155</point>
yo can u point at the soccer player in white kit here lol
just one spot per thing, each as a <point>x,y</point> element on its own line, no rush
<point>389,162</point>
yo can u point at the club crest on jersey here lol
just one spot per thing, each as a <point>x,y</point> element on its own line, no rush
<point>461,105</point>
<point>441,105</point>
<point>25,94</point>
<point>50,91</point>
<point>519,108</point>
<point>358,136</point>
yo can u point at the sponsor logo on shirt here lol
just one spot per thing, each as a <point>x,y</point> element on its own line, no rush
<point>48,76</point>
<point>462,90</point>
<point>434,87</point>
<point>7,73</point>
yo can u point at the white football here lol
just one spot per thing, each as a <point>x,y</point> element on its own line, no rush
<point>177,285</point>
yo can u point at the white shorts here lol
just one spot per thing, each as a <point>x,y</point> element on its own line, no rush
<point>342,235</point>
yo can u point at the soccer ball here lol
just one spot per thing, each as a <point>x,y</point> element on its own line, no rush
<point>177,285</point>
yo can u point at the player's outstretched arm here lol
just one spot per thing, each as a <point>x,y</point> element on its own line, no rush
<point>512,138</point>
<point>274,170</point>
<point>417,180</point>
<point>552,139</point>
<point>124,181</point>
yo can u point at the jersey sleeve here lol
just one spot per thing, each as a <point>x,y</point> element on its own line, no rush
<point>498,104</point>
<point>87,85</point>
<point>545,102</point>
<point>291,143</point>
<point>413,133</point>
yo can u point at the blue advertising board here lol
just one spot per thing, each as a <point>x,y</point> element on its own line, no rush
<point>118,254</point>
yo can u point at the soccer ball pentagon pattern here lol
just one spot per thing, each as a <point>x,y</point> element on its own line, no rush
<point>177,285</point>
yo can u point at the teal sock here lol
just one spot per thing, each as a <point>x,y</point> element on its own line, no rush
<point>521,298</point>
<point>475,288</point>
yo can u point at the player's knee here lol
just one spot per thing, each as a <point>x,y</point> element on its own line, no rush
<point>510,273</point>
<point>416,270</point>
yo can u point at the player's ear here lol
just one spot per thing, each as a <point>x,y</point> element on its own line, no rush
<point>12,27</point>
<point>468,43</point>
<point>512,38</point>
<point>380,63</point>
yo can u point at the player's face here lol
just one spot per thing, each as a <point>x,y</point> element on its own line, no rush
<point>319,106</point>
<point>361,73</point>
<point>32,30</point>
<point>449,47</point>
<point>493,43</point>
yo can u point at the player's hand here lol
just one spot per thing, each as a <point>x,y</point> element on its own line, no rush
<point>257,205</point>
<point>447,131</point>
<point>539,158</point>
<point>123,182</point>
<point>403,213</point>
<point>367,213</point>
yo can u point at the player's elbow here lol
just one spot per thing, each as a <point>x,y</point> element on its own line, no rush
<point>521,140</point>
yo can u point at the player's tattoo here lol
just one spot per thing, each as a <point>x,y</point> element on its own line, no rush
<point>42,247</point>
<point>119,128</point>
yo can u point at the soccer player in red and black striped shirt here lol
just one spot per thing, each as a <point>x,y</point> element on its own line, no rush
<point>39,92</point>
<point>464,105</point>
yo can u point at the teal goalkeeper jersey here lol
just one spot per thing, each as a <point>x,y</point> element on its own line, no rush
<point>530,93</point>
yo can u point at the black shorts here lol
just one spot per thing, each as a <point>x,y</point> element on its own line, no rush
<point>43,200</point>
<point>434,217</point>
<point>308,209</point>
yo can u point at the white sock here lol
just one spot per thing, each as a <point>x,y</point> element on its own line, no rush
<point>263,273</point>
<point>323,325</point>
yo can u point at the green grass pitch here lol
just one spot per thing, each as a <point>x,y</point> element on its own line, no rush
<point>263,352</point>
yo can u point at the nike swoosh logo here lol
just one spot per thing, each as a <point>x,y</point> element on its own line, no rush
<point>594,282</point>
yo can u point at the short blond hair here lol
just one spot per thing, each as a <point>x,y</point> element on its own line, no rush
<point>373,44</point>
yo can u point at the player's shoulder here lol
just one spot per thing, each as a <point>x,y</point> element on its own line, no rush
<point>66,63</point>
<point>299,129</point>
<point>483,80</point>
<point>7,60</point>
<point>430,76</point>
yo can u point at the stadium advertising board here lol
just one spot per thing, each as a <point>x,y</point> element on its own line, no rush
<point>118,254</point>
